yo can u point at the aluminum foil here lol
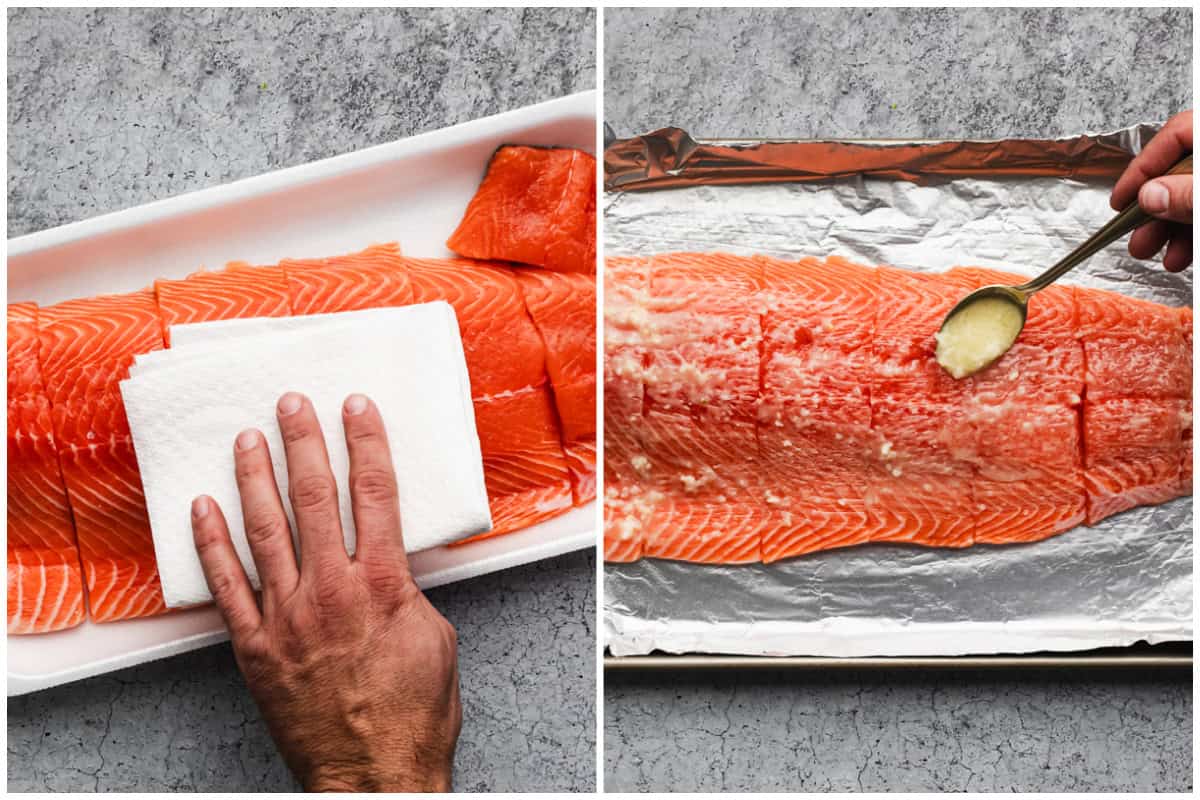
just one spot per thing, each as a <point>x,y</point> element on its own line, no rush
<point>1125,580</point>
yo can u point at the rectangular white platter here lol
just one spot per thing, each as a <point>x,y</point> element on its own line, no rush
<point>411,191</point>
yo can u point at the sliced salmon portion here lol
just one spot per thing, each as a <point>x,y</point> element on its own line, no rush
<point>524,467</point>
<point>238,291</point>
<point>372,278</point>
<point>503,350</point>
<point>45,585</point>
<point>1132,347</point>
<point>1029,472</point>
<point>563,309</point>
<point>1133,453</point>
<point>814,419</point>
<point>109,507</point>
<point>1045,364</point>
<point>536,205</point>
<point>86,347</point>
<point>702,502</point>
<point>702,337</point>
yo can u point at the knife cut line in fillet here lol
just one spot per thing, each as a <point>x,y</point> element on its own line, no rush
<point>758,409</point>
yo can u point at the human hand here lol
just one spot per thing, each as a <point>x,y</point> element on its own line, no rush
<point>1168,198</point>
<point>354,671</point>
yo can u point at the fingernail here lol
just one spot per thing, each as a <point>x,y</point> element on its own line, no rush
<point>247,439</point>
<point>200,507</point>
<point>355,404</point>
<point>290,403</point>
<point>1154,198</point>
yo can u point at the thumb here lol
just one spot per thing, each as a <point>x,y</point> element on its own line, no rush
<point>1168,197</point>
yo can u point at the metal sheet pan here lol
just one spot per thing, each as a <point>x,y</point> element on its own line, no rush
<point>1173,656</point>
<point>1071,167</point>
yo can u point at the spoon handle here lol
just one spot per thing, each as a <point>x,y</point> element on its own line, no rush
<point>1131,217</point>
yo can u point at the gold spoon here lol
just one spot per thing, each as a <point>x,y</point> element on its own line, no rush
<point>985,323</point>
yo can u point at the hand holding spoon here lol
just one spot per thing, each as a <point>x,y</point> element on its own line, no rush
<point>985,323</point>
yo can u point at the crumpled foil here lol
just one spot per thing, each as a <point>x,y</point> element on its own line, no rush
<point>1125,580</point>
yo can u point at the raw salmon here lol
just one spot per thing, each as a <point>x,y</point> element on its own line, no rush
<point>45,585</point>
<point>563,309</point>
<point>86,347</point>
<point>626,295</point>
<point>240,290</point>
<point>533,390</point>
<point>537,206</point>
<point>372,278</point>
<point>759,409</point>
<point>524,465</point>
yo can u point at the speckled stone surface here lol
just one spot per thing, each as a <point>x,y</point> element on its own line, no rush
<point>883,73</point>
<point>920,72</point>
<point>109,109</point>
<point>898,732</point>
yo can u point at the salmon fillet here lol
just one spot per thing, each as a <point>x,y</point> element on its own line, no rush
<point>86,347</point>
<point>758,409</point>
<point>563,309</point>
<point>77,515</point>
<point>45,584</point>
<point>524,465</point>
<point>238,291</point>
<point>536,205</point>
<point>373,278</point>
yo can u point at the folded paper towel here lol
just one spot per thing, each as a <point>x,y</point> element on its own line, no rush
<point>187,405</point>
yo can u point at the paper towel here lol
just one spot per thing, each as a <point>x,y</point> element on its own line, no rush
<point>186,407</point>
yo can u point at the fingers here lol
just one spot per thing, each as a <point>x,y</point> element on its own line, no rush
<point>1168,198</point>
<point>1158,156</point>
<point>311,486</point>
<point>1179,251</point>
<point>372,482</point>
<point>266,524</point>
<point>1147,240</point>
<point>222,570</point>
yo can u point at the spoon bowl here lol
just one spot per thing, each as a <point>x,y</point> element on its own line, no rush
<point>961,366</point>
<point>980,329</point>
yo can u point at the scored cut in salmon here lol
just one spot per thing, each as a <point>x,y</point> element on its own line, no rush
<point>373,278</point>
<point>237,291</point>
<point>45,585</point>
<point>626,293</point>
<point>86,347</point>
<point>858,436</point>
<point>503,350</point>
<point>698,439</point>
<point>536,205</point>
<point>524,466</point>
<point>814,412</point>
<point>563,309</point>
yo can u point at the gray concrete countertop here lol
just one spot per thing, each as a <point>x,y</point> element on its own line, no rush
<point>109,109</point>
<point>887,73</point>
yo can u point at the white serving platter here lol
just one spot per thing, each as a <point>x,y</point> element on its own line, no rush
<point>411,191</point>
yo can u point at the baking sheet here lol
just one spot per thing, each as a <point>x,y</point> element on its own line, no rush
<point>412,191</point>
<point>1126,580</point>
